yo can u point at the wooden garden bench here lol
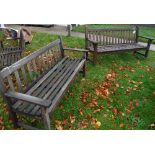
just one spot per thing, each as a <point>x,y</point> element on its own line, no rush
<point>34,85</point>
<point>9,55</point>
<point>108,40</point>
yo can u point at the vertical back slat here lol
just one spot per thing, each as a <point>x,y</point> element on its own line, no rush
<point>18,81</point>
<point>10,83</point>
<point>29,70</point>
<point>34,65</point>
<point>24,74</point>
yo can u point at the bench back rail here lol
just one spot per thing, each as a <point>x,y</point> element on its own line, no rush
<point>9,55</point>
<point>112,36</point>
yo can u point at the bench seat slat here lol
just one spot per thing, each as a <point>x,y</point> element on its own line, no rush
<point>118,47</point>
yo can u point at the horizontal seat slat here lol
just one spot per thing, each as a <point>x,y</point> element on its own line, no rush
<point>119,47</point>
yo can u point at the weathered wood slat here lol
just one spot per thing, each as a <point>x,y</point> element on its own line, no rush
<point>34,65</point>
<point>18,81</point>
<point>10,83</point>
<point>30,71</point>
<point>24,75</point>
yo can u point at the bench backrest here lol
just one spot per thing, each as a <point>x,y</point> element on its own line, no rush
<point>111,36</point>
<point>23,74</point>
<point>9,55</point>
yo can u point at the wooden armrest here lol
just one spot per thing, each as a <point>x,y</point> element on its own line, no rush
<point>76,49</point>
<point>28,98</point>
<point>149,38</point>
<point>93,41</point>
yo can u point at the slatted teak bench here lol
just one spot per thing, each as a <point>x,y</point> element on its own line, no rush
<point>34,85</point>
<point>108,40</point>
<point>9,55</point>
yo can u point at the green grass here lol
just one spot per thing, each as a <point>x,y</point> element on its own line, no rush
<point>143,31</point>
<point>130,104</point>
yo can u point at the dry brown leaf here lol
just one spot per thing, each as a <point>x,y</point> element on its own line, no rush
<point>121,125</point>
<point>83,124</point>
<point>93,103</point>
<point>127,110</point>
<point>111,76</point>
<point>1,120</point>
<point>89,116</point>
<point>65,122</point>
<point>72,118</point>
<point>126,75</point>
<point>137,103</point>
<point>131,105</point>
<point>81,112</point>
<point>102,92</point>
<point>96,124</point>
<point>117,85</point>
<point>96,110</point>
<point>115,110</point>
<point>131,69</point>
<point>121,68</point>
<point>58,125</point>
<point>152,125</point>
<point>84,96</point>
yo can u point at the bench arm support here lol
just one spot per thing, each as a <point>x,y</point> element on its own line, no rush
<point>149,41</point>
<point>78,50</point>
<point>92,41</point>
<point>28,98</point>
<point>94,44</point>
<point>148,38</point>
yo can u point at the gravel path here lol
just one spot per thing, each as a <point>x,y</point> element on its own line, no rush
<point>61,30</point>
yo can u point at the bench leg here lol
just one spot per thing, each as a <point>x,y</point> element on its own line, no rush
<point>87,55</point>
<point>84,70</point>
<point>46,118</point>
<point>146,53</point>
<point>13,117</point>
<point>94,58</point>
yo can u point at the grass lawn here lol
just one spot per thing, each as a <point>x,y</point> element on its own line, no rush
<point>118,93</point>
<point>143,31</point>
